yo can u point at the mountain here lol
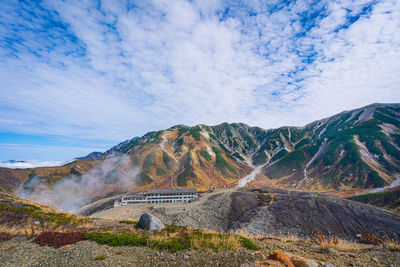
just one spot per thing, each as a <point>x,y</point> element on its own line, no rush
<point>353,150</point>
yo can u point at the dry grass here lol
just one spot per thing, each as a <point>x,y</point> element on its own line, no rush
<point>217,243</point>
<point>338,244</point>
<point>393,245</point>
<point>345,246</point>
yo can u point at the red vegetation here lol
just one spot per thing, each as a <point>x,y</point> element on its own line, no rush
<point>5,237</point>
<point>57,239</point>
<point>371,239</point>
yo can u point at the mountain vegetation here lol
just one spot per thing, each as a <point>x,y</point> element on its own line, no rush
<point>353,150</point>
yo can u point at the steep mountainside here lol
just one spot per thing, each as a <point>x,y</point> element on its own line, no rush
<point>355,149</point>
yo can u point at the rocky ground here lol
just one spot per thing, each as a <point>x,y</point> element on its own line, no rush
<point>270,211</point>
<point>23,252</point>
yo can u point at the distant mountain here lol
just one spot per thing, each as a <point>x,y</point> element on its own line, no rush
<point>23,164</point>
<point>353,150</point>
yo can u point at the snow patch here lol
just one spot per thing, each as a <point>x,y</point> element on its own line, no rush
<point>209,150</point>
<point>366,115</point>
<point>389,129</point>
<point>164,140</point>
<point>395,183</point>
<point>319,152</point>
<point>205,134</point>
<point>256,170</point>
<point>353,115</point>
<point>365,154</point>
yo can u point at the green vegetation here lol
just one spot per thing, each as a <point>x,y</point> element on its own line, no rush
<point>194,241</point>
<point>179,142</point>
<point>129,222</point>
<point>100,258</point>
<point>221,163</point>
<point>296,134</point>
<point>237,155</point>
<point>396,139</point>
<point>182,130</point>
<point>148,161</point>
<point>279,155</point>
<point>247,243</point>
<point>160,172</point>
<point>250,142</point>
<point>142,179</point>
<point>74,171</point>
<point>303,142</point>
<point>292,161</point>
<point>261,157</point>
<point>166,160</point>
<point>195,132</point>
<point>388,200</point>
<point>118,239</point>
<point>187,173</point>
<point>375,180</point>
<point>205,155</point>
<point>24,210</point>
<point>383,115</point>
<point>212,136</point>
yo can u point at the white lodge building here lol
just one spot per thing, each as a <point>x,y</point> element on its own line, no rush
<point>158,196</point>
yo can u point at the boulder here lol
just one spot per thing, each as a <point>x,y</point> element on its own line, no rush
<point>150,222</point>
<point>282,258</point>
<point>302,262</point>
<point>267,263</point>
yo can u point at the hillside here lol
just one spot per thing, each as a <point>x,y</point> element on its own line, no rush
<point>250,227</point>
<point>265,211</point>
<point>389,200</point>
<point>354,150</point>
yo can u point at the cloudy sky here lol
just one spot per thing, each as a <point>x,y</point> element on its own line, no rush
<point>78,76</point>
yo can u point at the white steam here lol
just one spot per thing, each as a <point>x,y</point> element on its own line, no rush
<point>115,174</point>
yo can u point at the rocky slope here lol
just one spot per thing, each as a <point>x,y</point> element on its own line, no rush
<point>353,150</point>
<point>270,211</point>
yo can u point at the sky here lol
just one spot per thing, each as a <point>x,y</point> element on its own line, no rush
<point>82,76</point>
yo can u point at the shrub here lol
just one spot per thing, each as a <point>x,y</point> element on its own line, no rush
<point>129,222</point>
<point>118,239</point>
<point>100,258</point>
<point>247,243</point>
<point>173,244</point>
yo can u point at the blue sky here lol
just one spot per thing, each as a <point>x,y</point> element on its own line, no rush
<point>78,76</point>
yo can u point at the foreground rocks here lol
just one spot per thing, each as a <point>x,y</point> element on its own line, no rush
<point>24,252</point>
<point>150,222</point>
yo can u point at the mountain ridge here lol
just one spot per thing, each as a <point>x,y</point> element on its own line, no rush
<point>353,150</point>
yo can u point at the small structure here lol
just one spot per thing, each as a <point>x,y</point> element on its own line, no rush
<point>158,196</point>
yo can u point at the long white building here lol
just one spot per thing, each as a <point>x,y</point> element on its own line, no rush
<point>158,196</point>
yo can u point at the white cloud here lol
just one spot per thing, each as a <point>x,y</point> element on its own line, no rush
<point>119,69</point>
<point>21,164</point>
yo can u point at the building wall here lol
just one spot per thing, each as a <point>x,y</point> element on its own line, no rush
<point>157,198</point>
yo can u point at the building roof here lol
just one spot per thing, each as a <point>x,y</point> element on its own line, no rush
<point>134,195</point>
<point>171,191</point>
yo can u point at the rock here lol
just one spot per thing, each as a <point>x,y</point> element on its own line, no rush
<point>282,258</point>
<point>330,251</point>
<point>358,236</point>
<point>186,256</point>
<point>150,222</point>
<point>267,263</point>
<point>329,265</point>
<point>302,262</point>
